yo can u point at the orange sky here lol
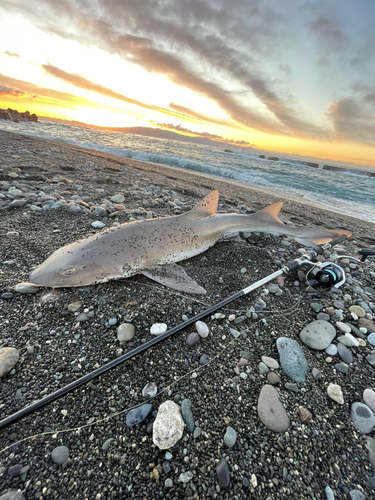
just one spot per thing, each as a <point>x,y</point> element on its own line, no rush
<point>278,88</point>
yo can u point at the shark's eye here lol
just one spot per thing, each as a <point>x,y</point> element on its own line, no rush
<point>68,272</point>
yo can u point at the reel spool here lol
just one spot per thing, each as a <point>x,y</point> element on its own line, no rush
<point>330,275</point>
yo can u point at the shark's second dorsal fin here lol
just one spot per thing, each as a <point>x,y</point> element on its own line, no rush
<point>207,206</point>
<point>271,212</point>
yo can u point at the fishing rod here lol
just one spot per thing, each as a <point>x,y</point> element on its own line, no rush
<point>330,274</point>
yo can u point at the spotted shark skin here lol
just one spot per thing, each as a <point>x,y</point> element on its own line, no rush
<point>152,247</point>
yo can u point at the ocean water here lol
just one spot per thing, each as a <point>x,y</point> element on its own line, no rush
<point>344,192</point>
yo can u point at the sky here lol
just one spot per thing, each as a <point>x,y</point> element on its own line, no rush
<point>295,77</point>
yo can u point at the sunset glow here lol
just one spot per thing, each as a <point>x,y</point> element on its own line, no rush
<point>288,77</point>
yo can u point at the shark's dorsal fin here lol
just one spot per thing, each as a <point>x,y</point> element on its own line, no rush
<point>271,212</point>
<point>206,207</point>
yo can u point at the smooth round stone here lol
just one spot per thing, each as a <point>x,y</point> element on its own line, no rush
<point>150,390</point>
<point>158,328</point>
<point>323,316</point>
<point>273,378</point>
<point>12,494</point>
<point>370,445</point>
<point>270,362</point>
<point>273,288</point>
<point>74,306</point>
<point>315,306</point>
<point>17,203</point>
<point>331,350</point>
<point>204,359</point>
<point>60,454</point>
<point>187,414</point>
<point>125,332</point>
<point>344,353</point>
<point>82,317</point>
<point>8,358</point>
<point>316,373</point>
<point>230,437</point>
<point>348,340</point>
<point>192,339</point>
<point>202,329</point>
<point>342,367</point>
<point>98,224</point>
<point>112,321</point>
<point>370,358</point>
<point>222,473</point>
<point>168,483</point>
<point>334,391</point>
<point>356,495</point>
<point>100,211</point>
<point>15,470</point>
<point>292,359</point>
<point>366,323</point>
<point>362,417</point>
<point>318,334</point>
<point>369,398</point>
<point>371,338</point>
<point>263,368</point>
<point>343,327</point>
<point>26,288</point>
<point>136,416</point>
<point>271,410</point>
<point>329,493</point>
<point>185,477</point>
<point>118,198</point>
<point>168,426</point>
<point>304,414</point>
<point>358,310</point>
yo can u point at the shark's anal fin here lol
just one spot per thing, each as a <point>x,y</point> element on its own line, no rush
<point>173,276</point>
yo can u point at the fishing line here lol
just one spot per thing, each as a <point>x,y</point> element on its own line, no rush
<point>286,312</point>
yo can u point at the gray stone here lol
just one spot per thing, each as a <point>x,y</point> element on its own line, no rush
<point>222,472</point>
<point>273,378</point>
<point>12,495</point>
<point>371,339</point>
<point>342,367</point>
<point>348,340</point>
<point>344,353</point>
<point>315,306</point>
<point>136,416</point>
<point>263,368</point>
<point>370,445</point>
<point>370,358</point>
<point>270,362</point>
<point>98,224</point>
<point>26,288</point>
<point>369,398</point>
<point>118,198</point>
<point>323,316</point>
<point>100,211</point>
<point>230,437</point>
<point>193,338</point>
<point>150,390</point>
<point>74,306</point>
<point>185,477</point>
<point>60,454</point>
<point>318,334</point>
<point>366,323</point>
<point>331,350</point>
<point>271,410</point>
<point>8,358</point>
<point>17,203</point>
<point>292,359</point>
<point>362,417</point>
<point>168,483</point>
<point>316,373</point>
<point>343,327</point>
<point>187,414</point>
<point>273,288</point>
<point>168,426</point>
<point>329,493</point>
<point>202,329</point>
<point>356,495</point>
<point>125,332</point>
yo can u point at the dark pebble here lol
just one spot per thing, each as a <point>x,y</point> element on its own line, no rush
<point>15,470</point>
<point>342,367</point>
<point>187,414</point>
<point>136,416</point>
<point>222,472</point>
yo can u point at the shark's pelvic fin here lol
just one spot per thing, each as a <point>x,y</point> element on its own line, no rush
<point>173,276</point>
<point>206,207</point>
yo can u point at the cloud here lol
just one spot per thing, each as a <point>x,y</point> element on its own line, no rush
<point>329,34</point>
<point>5,90</point>
<point>84,83</point>
<point>365,91</point>
<point>11,54</point>
<point>351,121</point>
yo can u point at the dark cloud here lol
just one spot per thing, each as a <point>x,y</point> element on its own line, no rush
<point>351,121</point>
<point>5,90</point>
<point>329,33</point>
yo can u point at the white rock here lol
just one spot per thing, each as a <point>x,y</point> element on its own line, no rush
<point>202,329</point>
<point>150,390</point>
<point>158,328</point>
<point>98,224</point>
<point>334,392</point>
<point>168,426</point>
<point>125,332</point>
<point>343,327</point>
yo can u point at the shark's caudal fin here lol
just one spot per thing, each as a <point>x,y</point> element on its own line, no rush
<point>206,207</point>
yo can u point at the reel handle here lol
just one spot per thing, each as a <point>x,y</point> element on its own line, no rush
<point>338,240</point>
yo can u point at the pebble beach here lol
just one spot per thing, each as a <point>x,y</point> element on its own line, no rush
<point>272,397</point>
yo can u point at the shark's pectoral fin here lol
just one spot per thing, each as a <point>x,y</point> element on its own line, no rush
<point>173,276</point>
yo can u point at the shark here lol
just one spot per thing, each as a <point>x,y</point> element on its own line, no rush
<point>153,246</point>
